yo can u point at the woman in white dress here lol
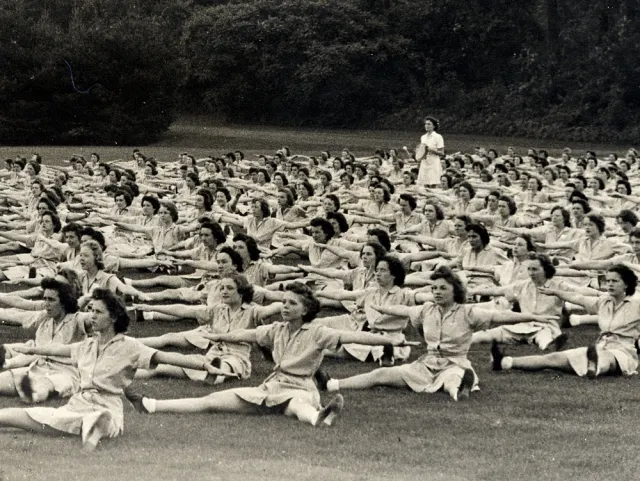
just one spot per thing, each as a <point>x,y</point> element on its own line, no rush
<point>428,153</point>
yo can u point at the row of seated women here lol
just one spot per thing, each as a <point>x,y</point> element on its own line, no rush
<point>305,257</point>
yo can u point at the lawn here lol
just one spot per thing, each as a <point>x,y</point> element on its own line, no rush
<point>543,426</point>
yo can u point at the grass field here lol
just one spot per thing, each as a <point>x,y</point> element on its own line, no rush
<point>543,426</point>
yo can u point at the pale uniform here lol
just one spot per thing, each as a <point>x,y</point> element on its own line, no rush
<point>58,370</point>
<point>430,166</point>
<point>102,280</point>
<point>262,231</point>
<point>619,329</point>
<point>43,257</point>
<point>448,338</point>
<point>97,406</point>
<point>487,257</point>
<point>297,356</point>
<point>219,319</point>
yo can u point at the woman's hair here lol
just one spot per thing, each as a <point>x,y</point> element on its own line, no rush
<point>480,230</point>
<point>264,207</point>
<point>382,236</point>
<point>598,220</point>
<point>208,198</point>
<point>438,209</point>
<point>510,202</point>
<point>378,250</point>
<point>459,290</point>
<point>546,263</point>
<point>283,176</point>
<point>244,287</point>
<point>469,187</point>
<point>289,195</point>
<point>250,242</point>
<point>628,277</point>
<point>325,225</point>
<point>173,210</point>
<point>225,192</point>
<point>308,187</point>
<point>396,268</point>
<point>267,177</point>
<point>217,232</point>
<point>531,245</point>
<point>334,199</point>
<point>97,253</point>
<point>127,197</point>
<point>115,307</point>
<point>66,293</point>
<point>583,203</point>
<point>155,203</point>
<point>628,216</point>
<point>236,259</point>
<point>411,200</point>
<point>72,278</point>
<point>566,216</point>
<point>96,235</point>
<point>311,304</point>
<point>386,196</point>
<point>626,184</point>
<point>57,225</point>
<point>50,205</point>
<point>343,225</point>
<point>434,121</point>
<point>72,227</point>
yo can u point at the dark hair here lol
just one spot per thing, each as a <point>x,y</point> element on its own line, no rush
<point>459,290</point>
<point>72,227</point>
<point>106,167</point>
<point>283,176</point>
<point>334,198</point>
<point>469,187</point>
<point>155,203</point>
<point>438,209</point>
<point>311,304</point>
<point>96,250</point>
<point>396,268</point>
<point>225,192</point>
<point>57,225</point>
<point>434,121</point>
<point>585,205</point>
<point>598,220</point>
<point>480,230</point>
<point>50,206</point>
<point>325,225</point>
<point>565,215</point>
<point>546,263</point>
<point>510,202</point>
<point>326,174</point>
<point>217,232</point>
<point>96,235</point>
<point>266,175</point>
<point>628,277</point>
<point>115,307</point>
<point>411,200</point>
<point>378,250</point>
<point>125,194</point>
<point>250,242</point>
<point>308,187</point>
<point>244,287</point>
<point>236,259</point>
<point>340,219</point>
<point>289,196</point>
<point>66,293</point>
<point>264,207</point>
<point>382,236</point>
<point>628,216</point>
<point>635,233</point>
<point>626,184</point>
<point>531,245</point>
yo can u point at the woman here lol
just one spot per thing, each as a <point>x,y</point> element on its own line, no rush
<point>234,313</point>
<point>614,352</point>
<point>297,346</point>
<point>429,152</point>
<point>447,325</point>
<point>106,364</point>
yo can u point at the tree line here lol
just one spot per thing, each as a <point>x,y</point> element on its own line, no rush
<point>120,71</point>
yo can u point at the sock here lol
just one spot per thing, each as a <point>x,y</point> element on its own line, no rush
<point>149,404</point>
<point>507,363</point>
<point>147,315</point>
<point>578,319</point>
<point>333,385</point>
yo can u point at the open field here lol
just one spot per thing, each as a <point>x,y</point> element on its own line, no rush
<point>544,426</point>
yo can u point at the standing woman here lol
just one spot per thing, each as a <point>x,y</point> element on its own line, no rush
<point>106,363</point>
<point>428,153</point>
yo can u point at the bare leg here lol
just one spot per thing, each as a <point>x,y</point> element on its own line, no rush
<point>7,387</point>
<point>18,418</point>
<point>176,339</point>
<point>302,410</point>
<point>166,295</point>
<point>556,360</point>
<point>165,370</point>
<point>385,376</point>
<point>222,401</point>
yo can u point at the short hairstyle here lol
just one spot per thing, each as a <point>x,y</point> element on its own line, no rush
<point>72,227</point>
<point>224,192</point>
<point>382,236</point>
<point>264,207</point>
<point>334,198</point>
<point>216,231</point>
<point>96,250</point>
<point>628,277</point>
<point>244,287</point>
<point>411,200</point>
<point>311,304</point>
<point>469,187</point>
<point>96,235</point>
<point>438,208</point>
<point>626,184</point>
<point>628,216</point>
<point>378,250</point>
<point>459,290</point>
<point>115,307</point>
<point>635,233</point>
<point>546,263</point>
<point>236,259</point>
<point>396,268</point>
<point>480,230</point>
<point>340,219</point>
<point>434,121</point>
<point>325,225</point>
<point>208,198</point>
<point>250,242</point>
<point>566,216</point>
<point>531,245</point>
<point>282,176</point>
<point>289,196</point>
<point>155,203</point>
<point>127,197</point>
<point>66,293</point>
<point>171,207</point>
<point>510,202</point>
<point>583,203</point>
<point>598,220</point>
<point>57,225</point>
